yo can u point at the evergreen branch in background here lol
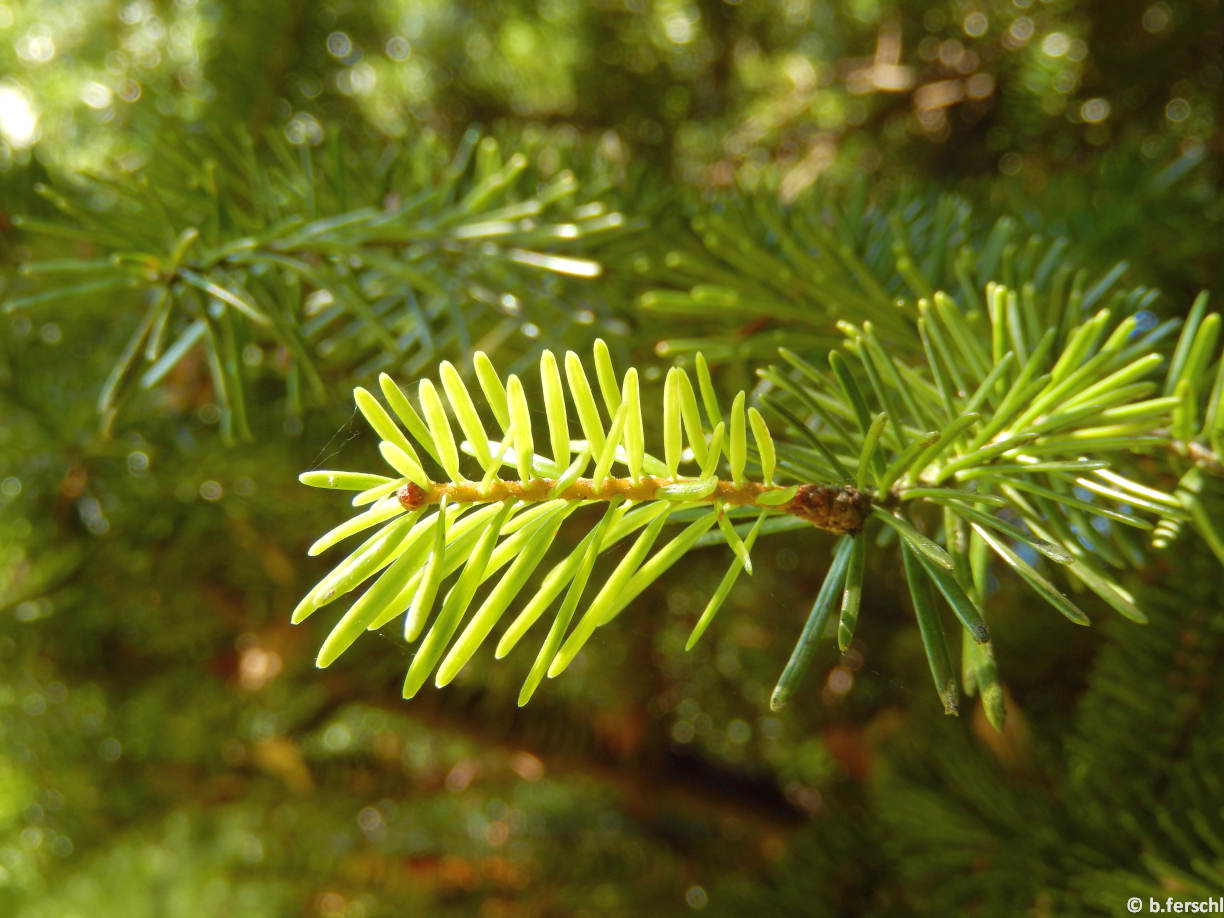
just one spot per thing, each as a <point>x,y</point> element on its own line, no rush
<point>998,442</point>
<point>1131,799</point>
<point>750,273</point>
<point>322,262</point>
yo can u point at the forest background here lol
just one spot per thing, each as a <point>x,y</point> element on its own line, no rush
<point>166,743</point>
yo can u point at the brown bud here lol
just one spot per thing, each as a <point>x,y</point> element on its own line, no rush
<point>411,496</point>
<point>833,509</point>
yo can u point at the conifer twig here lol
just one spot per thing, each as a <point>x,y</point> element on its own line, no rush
<point>840,509</point>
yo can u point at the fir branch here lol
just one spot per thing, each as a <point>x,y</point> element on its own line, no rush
<point>752,273</point>
<point>1045,436</point>
<point>832,509</point>
<point>428,529</point>
<point>996,424</point>
<point>337,263</point>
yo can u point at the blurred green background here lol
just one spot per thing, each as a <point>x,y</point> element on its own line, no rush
<point>166,745</point>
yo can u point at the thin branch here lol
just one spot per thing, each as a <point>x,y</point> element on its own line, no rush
<point>831,508</point>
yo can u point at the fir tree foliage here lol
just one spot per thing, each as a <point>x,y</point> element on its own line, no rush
<point>1033,414</point>
<point>1027,347</point>
<point>788,273</point>
<point>165,744</point>
<point>337,259</point>
<point>418,546</point>
<point>1129,805</point>
<point>1017,432</point>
